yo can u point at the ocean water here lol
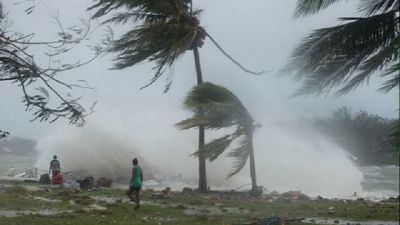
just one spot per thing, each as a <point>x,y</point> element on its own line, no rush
<point>380,182</point>
<point>377,183</point>
<point>20,163</point>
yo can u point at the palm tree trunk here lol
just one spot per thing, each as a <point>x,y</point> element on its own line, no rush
<point>202,159</point>
<point>252,168</point>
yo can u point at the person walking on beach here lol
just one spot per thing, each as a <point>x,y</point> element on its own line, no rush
<point>135,184</point>
<point>55,167</point>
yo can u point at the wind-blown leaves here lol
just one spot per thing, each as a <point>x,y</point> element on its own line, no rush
<point>165,30</point>
<point>309,7</point>
<point>347,55</point>
<point>216,147</point>
<point>216,107</point>
<point>373,7</point>
<point>240,154</point>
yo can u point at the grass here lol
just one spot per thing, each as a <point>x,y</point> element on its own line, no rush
<point>174,210</point>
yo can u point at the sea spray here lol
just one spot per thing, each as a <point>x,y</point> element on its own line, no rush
<point>284,161</point>
<point>308,162</point>
<point>90,151</point>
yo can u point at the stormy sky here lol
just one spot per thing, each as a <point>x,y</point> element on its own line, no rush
<point>259,34</point>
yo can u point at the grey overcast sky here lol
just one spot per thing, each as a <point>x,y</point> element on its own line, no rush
<point>259,34</point>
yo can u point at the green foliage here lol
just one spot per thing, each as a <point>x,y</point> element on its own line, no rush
<point>347,55</point>
<point>216,107</point>
<point>164,31</point>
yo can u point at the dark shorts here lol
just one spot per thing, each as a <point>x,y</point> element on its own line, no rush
<point>135,188</point>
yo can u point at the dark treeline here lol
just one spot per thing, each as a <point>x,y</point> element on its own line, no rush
<point>369,137</point>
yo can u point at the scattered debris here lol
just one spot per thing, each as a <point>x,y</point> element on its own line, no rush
<point>103,182</point>
<point>187,190</point>
<point>86,183</point>
<point>44,179</point>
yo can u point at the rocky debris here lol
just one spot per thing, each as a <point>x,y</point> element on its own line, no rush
<point>187,190</point>
<point>166,193</point>
<point>295,195</point>
<point>274,220</point>
<point>257,192</point>
<point>103,182</point>
<point>44,179</point>
<point>86,183</point>
<point>360,200</point>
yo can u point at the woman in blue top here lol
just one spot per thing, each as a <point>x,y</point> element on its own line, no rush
<point>135,184</point>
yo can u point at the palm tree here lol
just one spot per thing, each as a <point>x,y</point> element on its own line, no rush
<point>164,31</point>
<point>347,55</point>
<point>216,107</point>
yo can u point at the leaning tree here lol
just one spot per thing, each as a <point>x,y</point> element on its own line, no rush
<point>45,94</point>
<point>215,107</point>
<point>163,30</point>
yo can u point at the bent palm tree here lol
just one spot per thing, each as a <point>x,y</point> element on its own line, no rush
<point>216,107</point>
<point>164,31</point>
<point>347,55</point>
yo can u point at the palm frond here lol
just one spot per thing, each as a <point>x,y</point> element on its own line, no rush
<point>394,80</point>
<point>210,95</point>
<point>165,30</point>
<point>216,147</point>
<point>160,7</point>
<point>215,107</point>
<point>373,7</point>
<point>240,154</point>
<point>331,57</point>
<point>309,7</point>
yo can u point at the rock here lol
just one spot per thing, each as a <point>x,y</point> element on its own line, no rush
<point>273,220</point>
<point>44,179</point>
<point>103,182</point>
<point>187,190</point>
<point>295,195</point>
<point>166,192</point>
<point>360,200</point>
<point>157,195</point>
<point>86,183</point>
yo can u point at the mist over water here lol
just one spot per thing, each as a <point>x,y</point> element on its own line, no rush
<point>284,161</point>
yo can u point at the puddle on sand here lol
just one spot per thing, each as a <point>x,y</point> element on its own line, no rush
<point>330,221</point>
<point>43,212</point>
<point>46,199</point>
